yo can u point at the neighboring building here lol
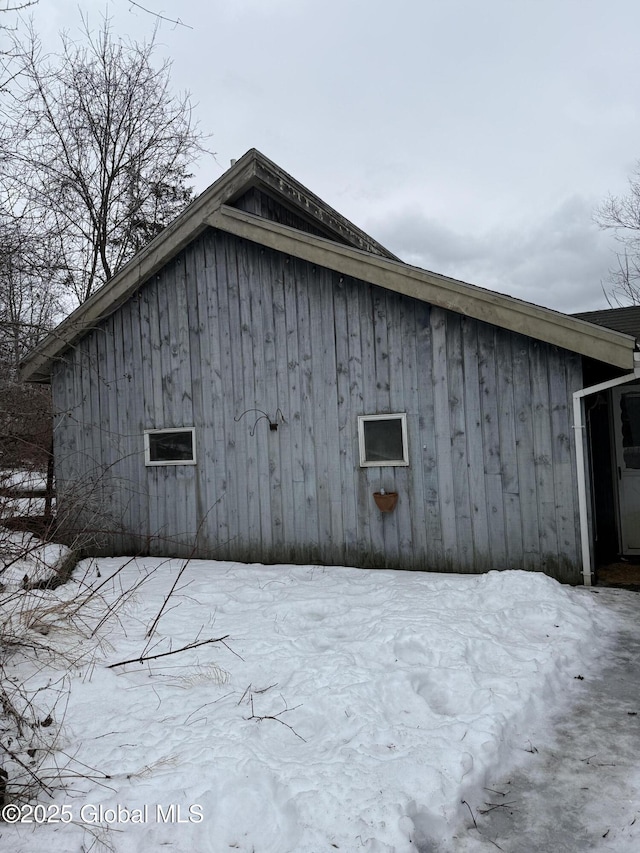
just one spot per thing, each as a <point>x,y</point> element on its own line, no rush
<point>625,320</point>
<point>248,381</point>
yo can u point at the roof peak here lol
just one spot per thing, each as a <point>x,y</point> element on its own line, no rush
<point>336,244</point>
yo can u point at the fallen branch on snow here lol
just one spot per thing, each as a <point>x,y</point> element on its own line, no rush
<point>186,648</point>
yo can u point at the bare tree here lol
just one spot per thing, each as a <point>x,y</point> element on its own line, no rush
<point>621,214</point>
<point>98,149</point>
<point>29,306</point>
<point>8,26</point>
<point>28,310</point>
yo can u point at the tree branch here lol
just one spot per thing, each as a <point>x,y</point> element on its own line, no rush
<point>159,16</point>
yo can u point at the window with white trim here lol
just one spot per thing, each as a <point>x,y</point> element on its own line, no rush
<point>170,446</point>
<point>383,440</point>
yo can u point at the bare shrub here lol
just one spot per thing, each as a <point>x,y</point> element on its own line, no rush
<point>41,632</point>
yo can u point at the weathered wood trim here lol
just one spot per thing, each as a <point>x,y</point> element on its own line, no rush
<point>506,312</point>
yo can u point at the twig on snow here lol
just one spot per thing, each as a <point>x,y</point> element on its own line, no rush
<point>143,658</point>
<point>275,717</point>
<point>492,806</point>
<point>465,803</point>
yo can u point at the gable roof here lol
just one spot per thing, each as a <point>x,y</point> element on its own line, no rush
<point>345,249</point>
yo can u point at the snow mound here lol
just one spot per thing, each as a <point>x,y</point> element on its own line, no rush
<point>26,560</point>
<point>345,709</point>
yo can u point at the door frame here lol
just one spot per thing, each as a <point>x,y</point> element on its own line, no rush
<point>619,470</point>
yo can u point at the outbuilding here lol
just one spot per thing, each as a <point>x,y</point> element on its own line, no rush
<point>263,378</point>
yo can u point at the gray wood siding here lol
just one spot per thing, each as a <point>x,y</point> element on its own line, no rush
<point>229,327</point>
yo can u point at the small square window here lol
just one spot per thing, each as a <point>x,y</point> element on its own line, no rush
<point>170,446</point>
<point>383,440</point>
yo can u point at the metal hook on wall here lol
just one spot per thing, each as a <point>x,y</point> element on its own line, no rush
<point>273,424</point>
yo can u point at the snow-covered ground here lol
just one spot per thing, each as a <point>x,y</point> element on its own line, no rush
<point>25,559</point>
<point>343,709</point>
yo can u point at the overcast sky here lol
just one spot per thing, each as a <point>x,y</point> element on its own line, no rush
<point>474,138</point>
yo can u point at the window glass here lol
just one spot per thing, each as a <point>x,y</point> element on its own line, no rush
<point>383,440</point>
